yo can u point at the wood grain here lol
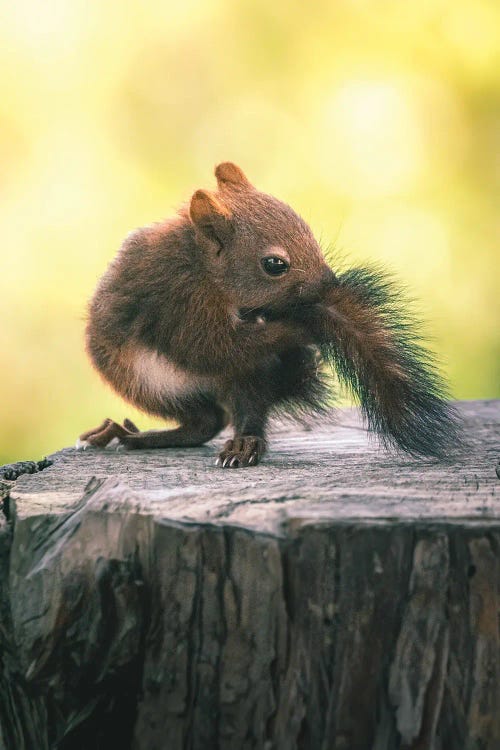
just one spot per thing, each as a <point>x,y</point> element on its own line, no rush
<point>335,596</point>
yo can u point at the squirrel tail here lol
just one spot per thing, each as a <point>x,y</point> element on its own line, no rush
<point>374,344</point>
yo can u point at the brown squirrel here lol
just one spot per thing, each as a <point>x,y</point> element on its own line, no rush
<point>221,314</point>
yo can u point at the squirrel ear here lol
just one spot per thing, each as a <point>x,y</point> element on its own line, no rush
<point>211,216</point>
<point>229,175</point>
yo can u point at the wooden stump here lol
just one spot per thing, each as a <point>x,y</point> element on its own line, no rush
<point>333,597</point>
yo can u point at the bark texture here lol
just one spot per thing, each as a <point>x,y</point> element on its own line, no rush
<point>333,597</point>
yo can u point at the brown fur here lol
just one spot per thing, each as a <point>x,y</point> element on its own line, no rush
<point>188,323</point>
<point>363,332</point>
<point>183,296</point>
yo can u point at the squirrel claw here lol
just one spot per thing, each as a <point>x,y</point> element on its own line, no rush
<point>240,452</point>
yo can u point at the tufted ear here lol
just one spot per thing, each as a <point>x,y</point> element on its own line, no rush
<point>229,175</point>
<point>211,217</point>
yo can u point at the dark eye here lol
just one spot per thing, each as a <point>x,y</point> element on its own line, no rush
<point>274,266</point>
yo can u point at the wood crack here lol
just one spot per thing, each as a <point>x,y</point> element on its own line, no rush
<point>363,613</point>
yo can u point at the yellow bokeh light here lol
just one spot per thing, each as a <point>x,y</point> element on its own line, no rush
<point>378,123</point>
<point>398,237</point>
<point>372,143</point>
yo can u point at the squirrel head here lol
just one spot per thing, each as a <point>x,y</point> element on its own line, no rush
<point>257,249</point>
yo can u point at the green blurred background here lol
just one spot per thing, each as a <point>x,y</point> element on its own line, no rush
<point>377,121</point>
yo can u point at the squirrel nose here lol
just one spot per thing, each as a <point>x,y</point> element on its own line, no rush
<point>313,292</point>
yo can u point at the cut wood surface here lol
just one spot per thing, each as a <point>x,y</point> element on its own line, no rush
<point>336,596</point>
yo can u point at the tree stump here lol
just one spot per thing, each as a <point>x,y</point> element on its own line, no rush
<point>335,596</point>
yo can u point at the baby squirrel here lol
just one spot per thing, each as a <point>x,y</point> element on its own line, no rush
<point>221,314</point>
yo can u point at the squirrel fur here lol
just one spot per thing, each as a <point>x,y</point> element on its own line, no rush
<point>221,315</point>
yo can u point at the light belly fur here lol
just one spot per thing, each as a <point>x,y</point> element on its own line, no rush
<point>160,378</point>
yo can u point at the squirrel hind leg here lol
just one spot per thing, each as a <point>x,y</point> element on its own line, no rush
<point>199,416</point>
<point>199,423</point>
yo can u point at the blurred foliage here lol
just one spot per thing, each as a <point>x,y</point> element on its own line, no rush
<point>378,121</point>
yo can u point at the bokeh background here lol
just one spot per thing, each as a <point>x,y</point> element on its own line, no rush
<point>377,120</point>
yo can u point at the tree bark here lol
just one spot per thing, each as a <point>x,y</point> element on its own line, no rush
<point>334,597</point>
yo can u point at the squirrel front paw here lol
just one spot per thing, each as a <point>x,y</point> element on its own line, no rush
<point>241,451</point>
<point>109,434</point>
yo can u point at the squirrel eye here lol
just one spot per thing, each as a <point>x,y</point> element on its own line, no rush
<point>274,266</point>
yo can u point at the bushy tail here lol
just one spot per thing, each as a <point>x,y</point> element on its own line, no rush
<point>372,340</point>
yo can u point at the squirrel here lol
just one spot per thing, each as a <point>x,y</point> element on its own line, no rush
<point>223,313</point>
